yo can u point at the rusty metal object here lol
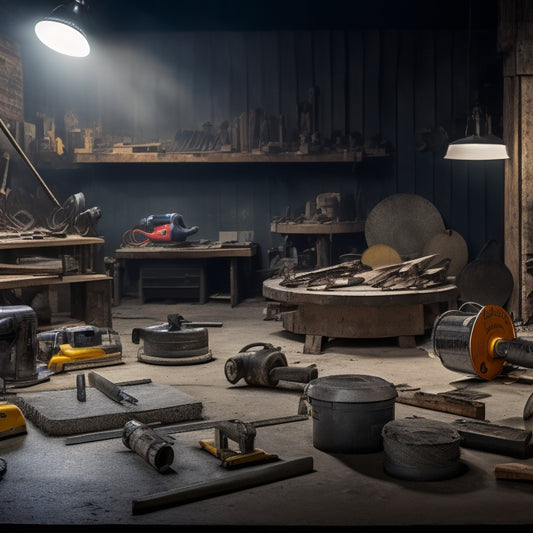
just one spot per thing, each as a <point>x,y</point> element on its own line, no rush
<point>143,440</point>
<point>265,367</point>
<point>175,342</point>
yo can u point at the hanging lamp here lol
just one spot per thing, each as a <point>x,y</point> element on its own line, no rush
<point>64,29</point>
<point>477,147</point>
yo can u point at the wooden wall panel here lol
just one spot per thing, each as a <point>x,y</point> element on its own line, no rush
<point>11,91</point>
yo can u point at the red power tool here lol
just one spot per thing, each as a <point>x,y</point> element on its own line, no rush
<point>161,228</point>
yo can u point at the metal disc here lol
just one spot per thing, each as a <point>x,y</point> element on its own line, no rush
<point>404,222</point>
<point>485,281</point>
<point>448,244</point>
<point>380,255</point>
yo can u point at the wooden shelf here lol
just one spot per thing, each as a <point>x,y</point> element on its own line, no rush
<point>215,157</point>
<point>7,243</point>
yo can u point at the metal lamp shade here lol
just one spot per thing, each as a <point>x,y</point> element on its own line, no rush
<point>63,31</point>
<point>477,148</point>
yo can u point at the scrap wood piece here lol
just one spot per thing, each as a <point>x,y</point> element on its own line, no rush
<point>437,402</point>
<point>255,476</point>
<point>504,440</point>
<point>517,471</point>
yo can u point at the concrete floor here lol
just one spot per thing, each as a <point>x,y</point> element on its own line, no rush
<point>50,483</point>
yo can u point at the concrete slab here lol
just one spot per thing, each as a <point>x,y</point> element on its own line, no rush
<point>61,413</point>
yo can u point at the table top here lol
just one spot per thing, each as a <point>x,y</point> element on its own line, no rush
<point>358,295</point>
<point>318,228</point>
<point>187,251</point>
<point>7,242</point>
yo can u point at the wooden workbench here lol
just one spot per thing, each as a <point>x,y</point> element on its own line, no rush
<point>359,311</point>
<point>195,254</point>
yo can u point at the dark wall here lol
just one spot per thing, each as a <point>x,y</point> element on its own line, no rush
<point>409,88</point>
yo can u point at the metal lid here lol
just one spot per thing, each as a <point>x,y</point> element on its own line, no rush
<point>350,388</point>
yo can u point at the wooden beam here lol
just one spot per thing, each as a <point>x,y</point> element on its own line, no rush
<point>439,402</point>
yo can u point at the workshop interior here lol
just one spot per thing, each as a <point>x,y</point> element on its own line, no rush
<point>265,264</point>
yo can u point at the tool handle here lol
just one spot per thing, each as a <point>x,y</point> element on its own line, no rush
<point>514,471</point>
<point>515,351</point>
<point>80,388</point>
<point>294,373</point>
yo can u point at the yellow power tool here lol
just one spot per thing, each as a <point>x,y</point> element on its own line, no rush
<point>12,421</point>
<point>78,347</point>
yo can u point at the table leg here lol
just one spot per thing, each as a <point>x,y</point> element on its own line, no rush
<point>313,344</point>
<point>322,251</point>
<point>234,281</point>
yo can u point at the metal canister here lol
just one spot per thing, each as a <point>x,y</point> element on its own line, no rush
<point>349,412</point>
<point>153,448</point>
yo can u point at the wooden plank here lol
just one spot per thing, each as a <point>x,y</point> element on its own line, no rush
<point>494,438</point>
<point>156,252</point>
<point>14,282</point>
<point>438,402</point>
<point>516,471</point>
<point>526,212</point>
<point>11,92</point>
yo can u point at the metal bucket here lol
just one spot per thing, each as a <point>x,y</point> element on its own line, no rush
<point>349,412</point>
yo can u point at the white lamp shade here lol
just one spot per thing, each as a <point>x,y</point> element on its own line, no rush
<point>477,148</point>
<point>63,38</point>
<point>64,29</point>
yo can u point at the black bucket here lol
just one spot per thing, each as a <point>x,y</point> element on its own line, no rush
<point>349,412</point>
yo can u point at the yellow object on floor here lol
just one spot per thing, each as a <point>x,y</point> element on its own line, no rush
<point>232,459</point>
<point>12,421</point>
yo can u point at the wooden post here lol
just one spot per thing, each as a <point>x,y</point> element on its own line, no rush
<point>515,41</point>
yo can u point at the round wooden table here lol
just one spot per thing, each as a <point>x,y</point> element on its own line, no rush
<point>359,312</point>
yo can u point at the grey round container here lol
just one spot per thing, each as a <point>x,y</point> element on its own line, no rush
<point>349,412</point>
<point>421,450</point>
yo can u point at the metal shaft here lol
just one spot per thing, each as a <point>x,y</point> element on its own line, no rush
<point>516,351</point>
<point>110,389</point>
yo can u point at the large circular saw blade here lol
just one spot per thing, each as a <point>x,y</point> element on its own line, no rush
<point>404,222</point>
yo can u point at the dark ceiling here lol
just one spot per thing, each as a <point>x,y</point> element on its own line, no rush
<point>236,15</point>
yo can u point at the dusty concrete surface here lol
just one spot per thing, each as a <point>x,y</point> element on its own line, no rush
<point>50,483</point>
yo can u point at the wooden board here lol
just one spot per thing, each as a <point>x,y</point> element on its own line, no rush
<point>437,402</point>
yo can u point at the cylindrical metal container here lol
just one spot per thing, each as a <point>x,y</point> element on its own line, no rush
<point>153,448</point>
<point>349,412</point>
<point>464,341</point>
<point>421,450</point>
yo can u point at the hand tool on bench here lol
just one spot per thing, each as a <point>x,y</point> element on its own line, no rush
<point>110,389</point>
<point>242,433</point>
<point>265,367</point>
<point>481,341</point>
